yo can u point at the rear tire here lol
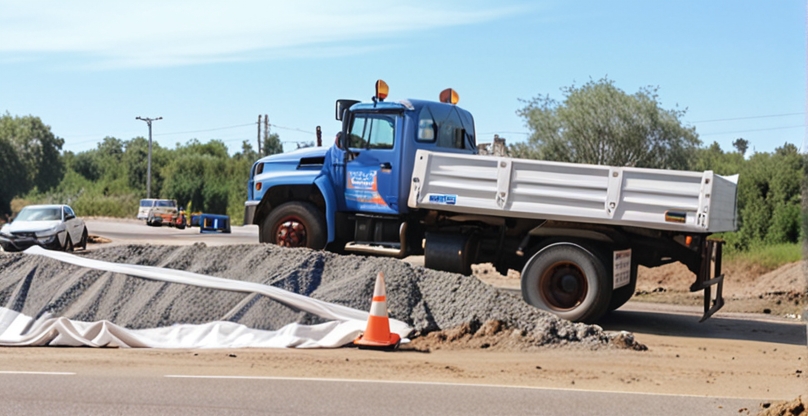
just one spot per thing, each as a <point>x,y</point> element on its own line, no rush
<point>567,280</point>
<point>295,224</point>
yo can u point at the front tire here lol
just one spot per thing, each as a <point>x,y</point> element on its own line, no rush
<point>295,224</point>
<point>68,246</point>
<point>84,237</point>
<point>567,280</point>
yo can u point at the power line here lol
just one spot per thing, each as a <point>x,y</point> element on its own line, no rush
<point>291,128</point>
<point>205,130</point>
<point>748,117</point>
<point>506,132</point>
<point>753,130</point>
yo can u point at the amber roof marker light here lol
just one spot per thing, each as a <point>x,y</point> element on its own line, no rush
<point>381,91</point>
<point>449,96</point>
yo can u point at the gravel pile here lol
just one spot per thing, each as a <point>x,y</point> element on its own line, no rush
<point>428,300</point>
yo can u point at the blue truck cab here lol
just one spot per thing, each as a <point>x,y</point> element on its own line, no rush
<point>352,195</point>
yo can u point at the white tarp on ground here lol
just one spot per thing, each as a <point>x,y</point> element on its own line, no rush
<point>347,323</point>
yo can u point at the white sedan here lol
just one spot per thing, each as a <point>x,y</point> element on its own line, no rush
<point>50,226</point>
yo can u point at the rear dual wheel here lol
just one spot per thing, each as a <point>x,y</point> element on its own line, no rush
<point>569,281</point>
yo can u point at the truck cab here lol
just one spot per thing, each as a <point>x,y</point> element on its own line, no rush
<point>352,196</point>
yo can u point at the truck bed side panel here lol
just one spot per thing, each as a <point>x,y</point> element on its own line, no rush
<point>651,198</point>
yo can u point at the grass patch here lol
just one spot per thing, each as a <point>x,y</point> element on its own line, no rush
<point>768,257</point>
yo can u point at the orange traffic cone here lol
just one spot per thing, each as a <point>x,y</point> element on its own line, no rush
<point>377,334</point>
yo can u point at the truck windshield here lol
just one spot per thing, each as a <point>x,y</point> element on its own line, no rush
<point>372,131</point>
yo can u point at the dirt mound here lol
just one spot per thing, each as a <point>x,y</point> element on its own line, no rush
<point>500,336</point>
<point>741,281</point>
<point>426,299</point>
<point>796,407</point>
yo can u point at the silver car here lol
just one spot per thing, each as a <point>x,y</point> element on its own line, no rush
<point>50,226</point>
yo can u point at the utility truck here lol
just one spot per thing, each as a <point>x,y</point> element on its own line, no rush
<point>404,178</point>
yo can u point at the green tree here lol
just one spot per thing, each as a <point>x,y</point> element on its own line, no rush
<point>247,152</point>
<point>272,145</point>
<point>600,124</point>
<point>12,175</point>
<point>199,180</point>
<point>741,145</point>
<point>38,149</point>
<point>215,148</point>
<point>135,160</point>
<point>86,164</point>
<point>769,198</point>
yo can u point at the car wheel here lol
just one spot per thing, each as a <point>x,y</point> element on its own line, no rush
<point>84,237</point>
<point>68,247</point>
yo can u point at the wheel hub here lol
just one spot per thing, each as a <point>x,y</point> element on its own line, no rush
<point>563,286</point>
<point>291,233</point>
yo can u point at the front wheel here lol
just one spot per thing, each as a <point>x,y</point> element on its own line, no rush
<point>567,280</point>
<point>295,224</point>
<point>68,246</point>
<point>84,237</point>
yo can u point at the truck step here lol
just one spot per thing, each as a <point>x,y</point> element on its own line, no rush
<point>378,249</point>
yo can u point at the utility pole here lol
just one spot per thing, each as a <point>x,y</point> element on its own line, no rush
<point>148,177</point>
<point>259,137</point>
<point>266,127</point>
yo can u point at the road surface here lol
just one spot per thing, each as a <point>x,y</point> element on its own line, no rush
<point>171,394</point>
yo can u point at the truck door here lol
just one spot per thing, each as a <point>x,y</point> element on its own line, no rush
<point>371,177</point>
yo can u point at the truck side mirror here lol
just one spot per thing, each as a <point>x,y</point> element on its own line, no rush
<point>342,106</point>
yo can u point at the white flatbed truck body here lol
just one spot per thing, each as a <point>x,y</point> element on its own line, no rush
<point>696,202</point>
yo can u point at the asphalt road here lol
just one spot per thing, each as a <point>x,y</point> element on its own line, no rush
<point>137,232</point>
<point>77,394</point>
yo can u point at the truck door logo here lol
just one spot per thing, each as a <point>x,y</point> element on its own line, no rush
<point>363,188</point>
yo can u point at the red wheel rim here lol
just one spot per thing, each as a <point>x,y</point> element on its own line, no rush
<point>563,286</point>
<point>290,232</point>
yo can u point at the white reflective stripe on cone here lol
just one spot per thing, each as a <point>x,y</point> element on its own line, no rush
<point>379,308</point>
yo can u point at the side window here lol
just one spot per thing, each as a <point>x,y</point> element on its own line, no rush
<point>451,133</point>
<point>372,131</point>
<point>426,126</point>
<point>69,212</point>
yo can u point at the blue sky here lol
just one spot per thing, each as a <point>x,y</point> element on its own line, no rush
<point>88,68</point>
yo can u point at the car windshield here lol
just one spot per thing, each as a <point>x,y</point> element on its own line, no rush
<point>166,204</point>
<point>40,214</point>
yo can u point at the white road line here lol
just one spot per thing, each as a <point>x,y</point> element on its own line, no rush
<point>435,383</point>
<point>43,373</point>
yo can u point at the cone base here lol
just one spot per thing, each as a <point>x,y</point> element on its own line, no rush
<point>390,344</point>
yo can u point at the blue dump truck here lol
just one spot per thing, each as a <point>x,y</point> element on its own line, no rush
<point>404,178</point>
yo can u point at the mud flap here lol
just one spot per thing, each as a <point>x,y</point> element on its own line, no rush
<point>709,275</point>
